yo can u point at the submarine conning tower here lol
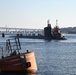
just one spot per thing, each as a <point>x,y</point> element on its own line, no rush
<point>47,30</point>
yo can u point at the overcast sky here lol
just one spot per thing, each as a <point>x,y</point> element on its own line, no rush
<point>35,13</point>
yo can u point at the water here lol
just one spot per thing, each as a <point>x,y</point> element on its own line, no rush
<point>55,57</point>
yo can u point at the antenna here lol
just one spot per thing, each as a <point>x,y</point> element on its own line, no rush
<point>48,22</point>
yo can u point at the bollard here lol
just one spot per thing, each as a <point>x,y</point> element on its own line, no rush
<point>31,65</point>
<point>3,35</point>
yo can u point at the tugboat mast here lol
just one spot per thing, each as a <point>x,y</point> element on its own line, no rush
<point>56,22</point>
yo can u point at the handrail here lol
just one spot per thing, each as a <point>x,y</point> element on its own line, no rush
<point>11,46</point>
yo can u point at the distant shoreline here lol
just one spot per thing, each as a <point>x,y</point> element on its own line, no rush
<point>69,30</point>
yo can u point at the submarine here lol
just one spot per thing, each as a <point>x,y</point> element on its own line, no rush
<point>49,33</point>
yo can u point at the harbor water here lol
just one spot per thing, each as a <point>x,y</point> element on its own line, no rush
<point>53,57</point>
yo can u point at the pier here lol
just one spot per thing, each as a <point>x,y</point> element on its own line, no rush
<point>26,31</point>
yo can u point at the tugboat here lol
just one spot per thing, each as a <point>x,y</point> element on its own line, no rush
<point>15,61</point>
<point>53,34</point>
<point>56,34</point>
<point>49,33</point>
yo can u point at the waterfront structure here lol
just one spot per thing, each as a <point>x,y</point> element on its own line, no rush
<point>16,61</point>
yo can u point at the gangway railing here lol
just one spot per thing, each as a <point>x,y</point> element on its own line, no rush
<point>12,47</point>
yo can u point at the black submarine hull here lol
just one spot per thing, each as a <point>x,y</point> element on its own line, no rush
<point>41,37</point>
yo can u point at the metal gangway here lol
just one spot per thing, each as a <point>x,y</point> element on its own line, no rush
<point>12,46</point>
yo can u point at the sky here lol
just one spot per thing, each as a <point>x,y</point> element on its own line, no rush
<point>33,14</point>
